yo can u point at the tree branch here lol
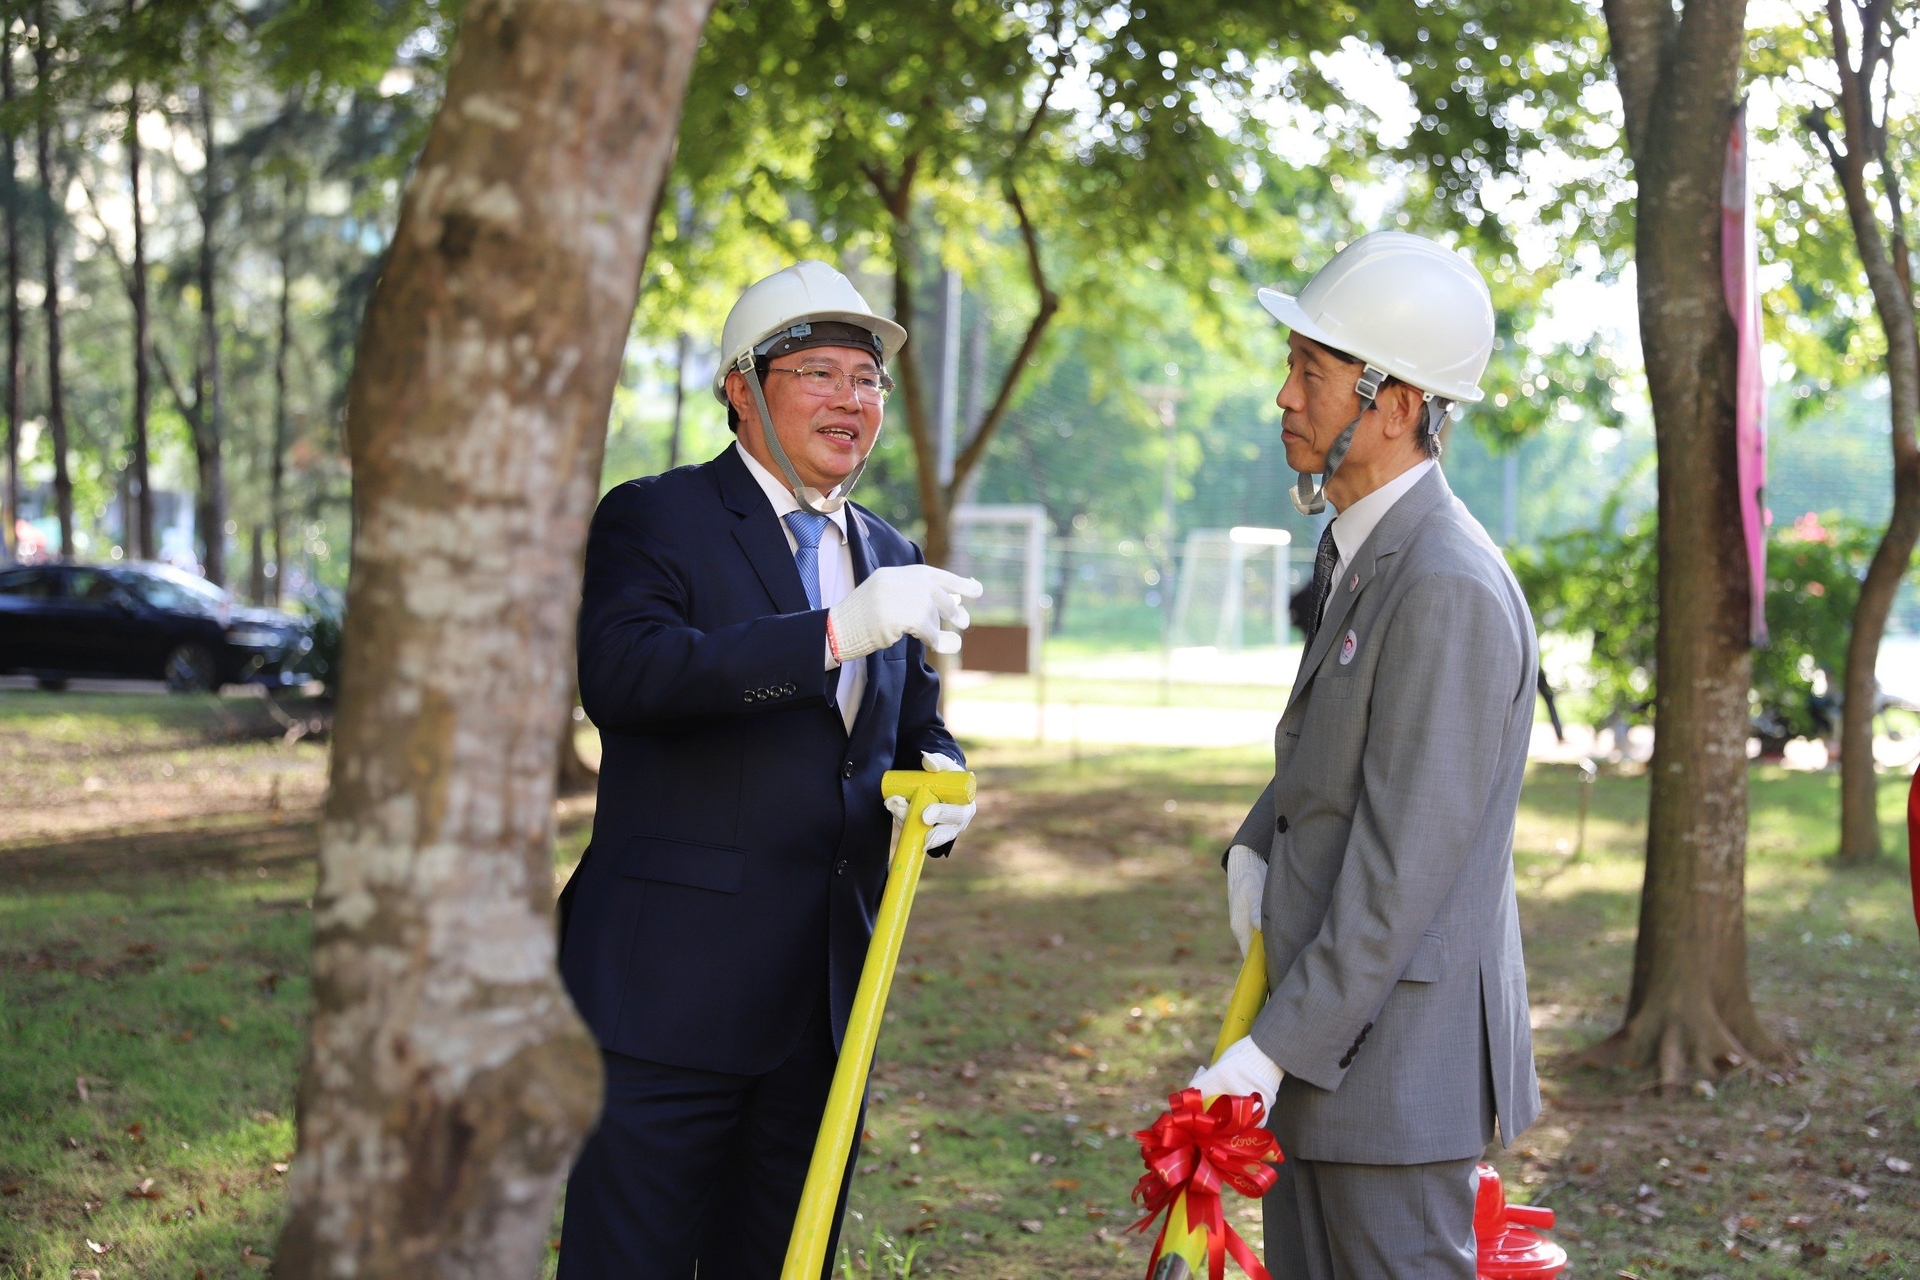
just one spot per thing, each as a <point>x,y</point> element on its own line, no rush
<point>983,432</point>
<point>1049,303</point>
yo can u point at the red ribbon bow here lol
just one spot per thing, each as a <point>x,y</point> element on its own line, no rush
<point>1197,1150</point>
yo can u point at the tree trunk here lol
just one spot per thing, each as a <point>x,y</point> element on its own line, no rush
<point>51,214</point>
<point>14,353</point>
<point>140,493</point>
<point>209,424</point>
<point>448,1081</point>
<point>679,399</point>
<point>276,469</point>
<point>1885,256</point>
<point>1690,1011</point>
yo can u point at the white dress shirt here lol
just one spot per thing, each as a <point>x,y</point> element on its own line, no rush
<point>1353,526</point>
<point>836,575</point>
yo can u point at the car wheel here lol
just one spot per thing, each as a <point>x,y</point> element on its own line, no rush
<point>190,670</point>
<point>53,684</point>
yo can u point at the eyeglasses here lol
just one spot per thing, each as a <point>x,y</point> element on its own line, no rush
<point>823,381</point>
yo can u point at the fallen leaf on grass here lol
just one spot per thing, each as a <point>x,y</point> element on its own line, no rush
<point>144,1191</point>
<point>1032,1226</point>
<point>1799,1222</point>
<point>199,966</point>
<point>84,1273</point>
<point>141,948</point>
<point>1065,1184</point>
<point>268,982</point>
<point>80,1087</point>
<point>1078,1050</point>
<point>1897,1165</point>
<point>279,1166</point>
<point>259,1261</point>
<point>183,1037</point>
<point>1812,1249</point>
<point>1879,1259</point>
<point>101,1249</point>
<point>138,1131</point>
<point>225,1022</point>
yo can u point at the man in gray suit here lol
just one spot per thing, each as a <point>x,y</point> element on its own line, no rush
<point>1379,860</point>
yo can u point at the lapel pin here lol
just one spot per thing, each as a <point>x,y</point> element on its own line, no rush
<point>1353,583</point>
<point>1347,647</point>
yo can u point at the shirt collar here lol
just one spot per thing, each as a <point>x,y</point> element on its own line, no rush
<point>1353,526</point>
<point>784,503</point>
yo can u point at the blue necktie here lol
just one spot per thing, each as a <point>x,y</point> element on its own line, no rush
<point>807,528</point>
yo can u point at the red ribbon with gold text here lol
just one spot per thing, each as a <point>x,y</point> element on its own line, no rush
<point>1199,1149</point>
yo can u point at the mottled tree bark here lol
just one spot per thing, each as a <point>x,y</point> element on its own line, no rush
<point>1690,1011</point>
<point>14,394</point>
<point>283,349</point>
<point>1884,253</point>
<point>448,1082</point>
<point>139,500</point>
<point>51,214</point>
<point>209,422</point>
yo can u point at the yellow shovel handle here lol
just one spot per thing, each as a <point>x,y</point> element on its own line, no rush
<point>1248,998</point>
<point>1189,1243</point>
<point>813,1225</point>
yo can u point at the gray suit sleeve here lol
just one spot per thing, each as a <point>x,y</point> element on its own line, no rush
<point>1440,706</point>
<point>1256,831</point>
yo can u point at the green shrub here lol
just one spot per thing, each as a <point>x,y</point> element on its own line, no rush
<point>1600,584</point>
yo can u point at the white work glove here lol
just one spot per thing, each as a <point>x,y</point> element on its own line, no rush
<point>945,821</point>
<point>903,600</point>
<point>1242,1069</point>
<point>1246,886</point>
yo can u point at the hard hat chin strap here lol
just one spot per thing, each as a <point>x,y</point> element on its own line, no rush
<point>1309,498</point>
<point>804,494</point>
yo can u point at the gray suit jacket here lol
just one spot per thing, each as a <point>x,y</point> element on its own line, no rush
<point>1399,995</point>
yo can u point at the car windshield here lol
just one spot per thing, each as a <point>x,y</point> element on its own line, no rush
<point>25,584</point>
<point>178,592</point>
<point>91,586</point>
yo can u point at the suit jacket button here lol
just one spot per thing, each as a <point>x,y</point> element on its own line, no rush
<point>840,868</point>
<point>847,770</point>
<point>1280,823</point>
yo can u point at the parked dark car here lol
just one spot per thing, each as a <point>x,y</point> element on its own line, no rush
<point>141,621</point>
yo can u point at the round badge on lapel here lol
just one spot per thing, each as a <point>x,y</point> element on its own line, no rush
<point>1353,583</point>
<point>1347,647</point>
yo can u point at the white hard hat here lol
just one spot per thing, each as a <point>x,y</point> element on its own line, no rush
<point>1405,305</point>
<point>804,294</point>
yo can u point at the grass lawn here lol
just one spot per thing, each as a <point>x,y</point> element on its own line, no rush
<point>1064,971</point>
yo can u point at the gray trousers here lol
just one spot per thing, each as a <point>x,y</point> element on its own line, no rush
<point>1327,1221</point>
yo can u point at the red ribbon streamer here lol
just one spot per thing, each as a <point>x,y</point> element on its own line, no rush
<point>1196,1149</point>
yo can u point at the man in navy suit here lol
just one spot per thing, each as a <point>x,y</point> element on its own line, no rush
<point>752,649</point>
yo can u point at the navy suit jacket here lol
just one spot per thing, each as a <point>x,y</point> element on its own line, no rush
<point>739,843</point>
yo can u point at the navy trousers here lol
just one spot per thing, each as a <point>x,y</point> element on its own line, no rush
<point>700,1172</point>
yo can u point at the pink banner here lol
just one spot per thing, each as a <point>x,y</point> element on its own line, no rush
<point>1739,271</point>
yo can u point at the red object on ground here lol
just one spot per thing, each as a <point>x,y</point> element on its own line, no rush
<point>1509,1249</point>
<point>1913,843</point>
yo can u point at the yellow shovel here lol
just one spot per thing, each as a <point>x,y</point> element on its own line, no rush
<point>1183,1254</point>
<point>813,1225</point>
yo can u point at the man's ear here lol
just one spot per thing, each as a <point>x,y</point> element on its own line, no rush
<point>1402,408</point>
<point>738,396</point>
